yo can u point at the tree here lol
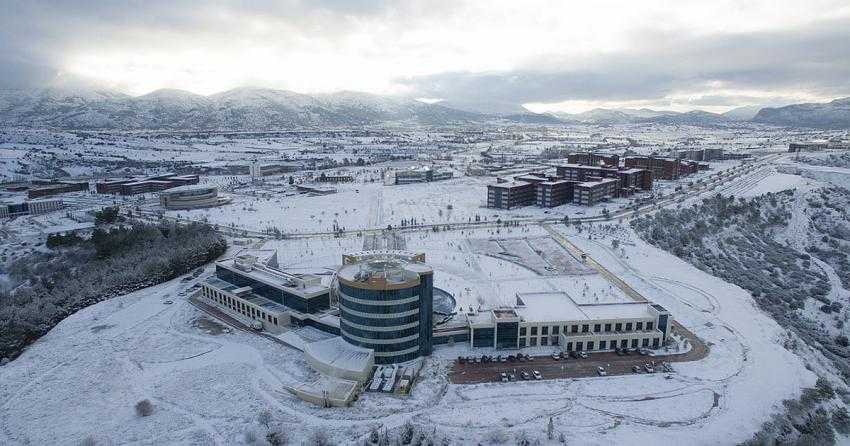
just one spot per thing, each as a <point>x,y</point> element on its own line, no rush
<point>550,430</point>
<point>144,408</point>
<point>265,418</point>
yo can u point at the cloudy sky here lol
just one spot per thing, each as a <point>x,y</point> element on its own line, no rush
<point>499,55</point>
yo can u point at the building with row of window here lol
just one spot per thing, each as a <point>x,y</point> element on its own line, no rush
<point>594,159</point>
<point>191,197</point>
<point>48,188</point>
<point>665,168</point>
<point>555,319</point>
<point>422,174</point>
<point>133,186</point>
<point>33,207</point>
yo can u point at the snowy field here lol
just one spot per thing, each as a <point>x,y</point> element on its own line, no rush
<point>207,387</point>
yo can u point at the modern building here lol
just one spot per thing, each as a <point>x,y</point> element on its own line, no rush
<point>191,197</point>
<point>594,159</point>
<point>555,193</point>
<point>133,186</point>
<point>386,301</point>
<point>57,187</point>
<point>589,193</point>
<point>555,319</point>
<point>661,168</point>
<point>33,207</point>
<point>511,194</point>
<point>421,175</point>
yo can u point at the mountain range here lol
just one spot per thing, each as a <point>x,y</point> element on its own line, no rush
<point>88,108</point>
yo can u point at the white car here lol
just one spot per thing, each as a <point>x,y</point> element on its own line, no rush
<point>537,375</point>
<point>601,371</point>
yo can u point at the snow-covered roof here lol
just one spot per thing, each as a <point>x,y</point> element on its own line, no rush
<point>559,306</point>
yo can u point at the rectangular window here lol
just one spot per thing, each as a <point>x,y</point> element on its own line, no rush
<point>534,342</point>
<point>522,331</point>
<point>555,341</point>
<point>618,327</point>
<point>574,329</point>
<point>585,328</point>
<point>603,345</point>
<point>634,343</point>
<point>649,326</point>
<point>624,343</point>
<point>639,326</point>
<point>275,321</point>
<point>628,326</point>
<point>522,342</point>
<point>544,330</point>
<point>534,331</point>
<point>590,345</point>
<point>544,341</point>
<point>607,328</point>
<point>569,346</point>
<point>579,346</point>
<point>555,329</point>
<point>644,342</point>
<point>597,328</point>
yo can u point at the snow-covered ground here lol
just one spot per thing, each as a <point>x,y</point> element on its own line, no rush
<point>85,376</point>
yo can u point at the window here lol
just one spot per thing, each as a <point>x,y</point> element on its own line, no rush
<point>522,331</point>
<point>555,341</point>
<point>585,328</point>
<point>544,341</point>
<point>579,346</point>
<point>574,329</point>
<point>607,327</point>
<point>534,331</point>
<point>603,345</point>
<point>624,343</point>
<point>555,329</point>
<point>522,342</point>
<point>649,326</point>
<point>569,346</point>
<point>534,342</point>
<point>275,321</point>
<point>597,328</point>
<point>644,342</point>
<point>628,326</point>
<point>566,329</point>
<point>590,345</point>
<point>634,343</point>
<point>639,326</point>
<point>655,343</point>
<point>618,327</point>
<point>544,330</point>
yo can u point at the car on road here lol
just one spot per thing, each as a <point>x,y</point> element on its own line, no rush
<point>649,368</point>
<point>583,355</point>
<point>636,369</point>
<point>168,302</point>
<point>511,377</point>
<point>537,375</point>
<point>525,375</point>
<point>555,357</point>
<point>504,377</point>
<point>601,371</point>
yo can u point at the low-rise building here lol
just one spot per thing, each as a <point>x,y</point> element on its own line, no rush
<point>589,193</point>
<point>661,168</point>
<point>191,197</point>
<point>555,319</point>
<point>554,193</point>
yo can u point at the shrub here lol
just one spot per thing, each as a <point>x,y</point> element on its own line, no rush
<point>144,408</point>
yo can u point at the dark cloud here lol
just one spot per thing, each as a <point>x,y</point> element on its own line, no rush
<point>815,60</point>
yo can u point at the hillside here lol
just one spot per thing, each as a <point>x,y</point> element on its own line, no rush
<point>831,115</point>
<point>237,109</point>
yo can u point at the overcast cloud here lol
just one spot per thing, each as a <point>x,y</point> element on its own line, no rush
<point>549,56</point>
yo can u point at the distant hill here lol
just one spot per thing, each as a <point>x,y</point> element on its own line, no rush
<point>237,109</point>
<point>831,115</point>
<point>645,115</point>
<point>745,113</point>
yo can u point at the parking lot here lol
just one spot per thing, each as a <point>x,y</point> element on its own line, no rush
<point>466,373</point>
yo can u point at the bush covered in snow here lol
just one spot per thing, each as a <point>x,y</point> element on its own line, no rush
<point>49,286</point>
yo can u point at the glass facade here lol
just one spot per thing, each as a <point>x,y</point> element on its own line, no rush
<point>275,294</point>
<point>396,324</point>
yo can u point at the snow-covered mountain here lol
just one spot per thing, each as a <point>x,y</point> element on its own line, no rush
<point>645,115</point>
<point>237,109</point>
<point>834,114</point>
<point>744,113</point>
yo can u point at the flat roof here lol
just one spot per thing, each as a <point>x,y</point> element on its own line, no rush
<point>279,278</point>
<point>553,306</point>
<point>511,184</point>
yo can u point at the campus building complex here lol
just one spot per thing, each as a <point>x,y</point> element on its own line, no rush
<point>133,186</point>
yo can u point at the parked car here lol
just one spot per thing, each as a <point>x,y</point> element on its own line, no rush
<point>511,358</point>
<point>648,368</point>
<point>583,355</point>
<point>537,375</point>
<point>574,355</point>
<point>601,371</point>
<point>636,369</point>
<point>504,377</point>
<point>645,352</point>
<point>525,375</point>
<point>619,352</point>
<point>511,377</point>
<point>529,358</point>
<point>168,302</point>
<point>461,360</point>
<point>555,357</point>
<point>520,357</point>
